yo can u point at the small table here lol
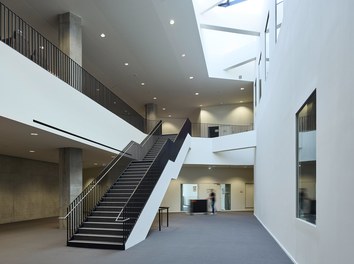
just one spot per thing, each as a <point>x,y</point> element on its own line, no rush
<point>161,208</point>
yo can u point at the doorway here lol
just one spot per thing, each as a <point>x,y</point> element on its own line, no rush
<point>213,131</point>
<point>249,193</point>
<point>202,191</point>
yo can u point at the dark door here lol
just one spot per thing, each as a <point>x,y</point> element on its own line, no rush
<point>213,131</point>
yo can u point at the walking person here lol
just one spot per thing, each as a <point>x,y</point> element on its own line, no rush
<point>212,201</point>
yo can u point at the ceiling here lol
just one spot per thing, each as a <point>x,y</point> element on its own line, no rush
<point>139,33</point>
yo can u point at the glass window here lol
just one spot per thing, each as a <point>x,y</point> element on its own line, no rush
<point>279,5</point>
<point>259,78</point>
<point>306,160</point>
<point>266,49</point>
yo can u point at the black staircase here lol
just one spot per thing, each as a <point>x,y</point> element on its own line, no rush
<point>107,222</point>
<point>102,229</point>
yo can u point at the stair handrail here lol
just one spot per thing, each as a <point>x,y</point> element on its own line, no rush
<point>110,165</point>
<point>169,151</point>
<point>176,145</point>
<point>159,125</point>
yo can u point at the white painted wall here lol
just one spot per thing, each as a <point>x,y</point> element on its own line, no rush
<point>172,125</point>
<point>29,92</point>
<point>237,177</point>
<point>234,141</point>
<point>314,51</point>
<point>236,114</point>
<point>202,153</point>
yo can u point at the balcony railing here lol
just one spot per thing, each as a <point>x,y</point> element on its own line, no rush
<point>207,130</point>
<point>26,40</point>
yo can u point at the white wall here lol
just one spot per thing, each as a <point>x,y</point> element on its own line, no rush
<point>236,114</point>
<point>237,177</point>
<point>314,51</point>
<point>202,152</point>
<point>29,92</point>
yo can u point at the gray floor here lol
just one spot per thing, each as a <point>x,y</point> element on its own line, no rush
<point>223,238</point>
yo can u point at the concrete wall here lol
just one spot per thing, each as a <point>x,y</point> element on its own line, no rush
<point>28,189</point>
<point>237,177</point>
<point>314,51</point>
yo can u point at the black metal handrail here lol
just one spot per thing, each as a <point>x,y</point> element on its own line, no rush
<point>132,209</point>
<point>85,202</point>
<point>26,40</point>
<point>82,206</point>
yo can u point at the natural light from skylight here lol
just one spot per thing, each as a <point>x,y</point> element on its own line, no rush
<point>230,36</point>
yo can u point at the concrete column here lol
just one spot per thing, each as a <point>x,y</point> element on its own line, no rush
<point>70,36</point>
<point>70,178</point>
<point>70,42</point>
<point>150,115</point>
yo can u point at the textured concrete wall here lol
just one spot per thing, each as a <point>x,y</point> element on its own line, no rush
<point>28,189</point>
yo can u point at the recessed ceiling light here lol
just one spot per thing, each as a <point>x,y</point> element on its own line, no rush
<point>209,168</point>
<point>41,47</point>
<point>196,93</point>
<point>98,89</point>
<point>32,151</point>
<point>115,102</point>
<point>34,134</point>
<point>95,164</point>
<point>183,55</point>
<point>163,108</point>
<point>169,115</point>
<point>154,98</point>
<point>172,22</point>
<point>142,84</point>
<point>200,105</point>
<point>241,101</point>
<point>242,88</point>
<point>191,77</point>
<point>126,63</point>
<point>103,35</point>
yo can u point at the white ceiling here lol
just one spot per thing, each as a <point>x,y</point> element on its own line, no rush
<point>137,32</point>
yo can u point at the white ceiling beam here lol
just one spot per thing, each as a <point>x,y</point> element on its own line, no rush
<point>211,7</point>
<point>230,30</point>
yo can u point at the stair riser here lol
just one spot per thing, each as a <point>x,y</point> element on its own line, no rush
<point>97,238</point>
<point>105,213</point>
<point>115,204</point>
<point>93,245</point>
<point>123,187</point>
<point>100,225</point>
<point>101,232</point>
<point>107,208</point>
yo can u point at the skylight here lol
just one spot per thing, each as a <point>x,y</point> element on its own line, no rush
<point>230,36</point>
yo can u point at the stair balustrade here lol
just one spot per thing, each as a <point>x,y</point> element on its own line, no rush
<point>82,206</point>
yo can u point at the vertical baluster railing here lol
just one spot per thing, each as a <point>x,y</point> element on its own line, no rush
<point>19,35</point>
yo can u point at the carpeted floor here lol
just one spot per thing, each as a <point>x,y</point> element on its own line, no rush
<point>233,237</point>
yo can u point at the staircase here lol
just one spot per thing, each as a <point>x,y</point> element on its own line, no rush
<point>100,229</point>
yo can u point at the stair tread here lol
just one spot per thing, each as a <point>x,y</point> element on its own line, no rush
<point>98,235</point>
<point>100,229</point>
<point>96,242</point>
<point>99,223</point>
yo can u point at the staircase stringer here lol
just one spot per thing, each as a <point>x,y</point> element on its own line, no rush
<point>147,216</point>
